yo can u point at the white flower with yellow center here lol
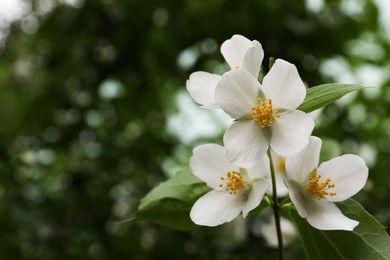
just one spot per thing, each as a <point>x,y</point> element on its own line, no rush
<point>313,188</point>
<point>239,52</point>
<point>280,174</point>
<point>264,113</point>
<point>235,189</point>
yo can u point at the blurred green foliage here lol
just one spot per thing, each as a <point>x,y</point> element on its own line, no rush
<point>85,100</point>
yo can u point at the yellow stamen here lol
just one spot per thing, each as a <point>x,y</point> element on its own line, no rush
<point>281,165</point>
<point>233,182</point>
<point>263,113</point>
<point>320,189</point>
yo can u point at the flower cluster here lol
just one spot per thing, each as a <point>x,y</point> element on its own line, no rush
<point>266,118</point>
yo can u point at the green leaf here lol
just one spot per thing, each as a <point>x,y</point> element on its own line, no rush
<point>171,201</point>
<point>256,211</point>
<point>368,240</point>
<point>322,95</point>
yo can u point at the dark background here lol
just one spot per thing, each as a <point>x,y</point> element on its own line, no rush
<point>86,91</point>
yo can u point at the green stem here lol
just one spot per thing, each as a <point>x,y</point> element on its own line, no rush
<point>276,207</point>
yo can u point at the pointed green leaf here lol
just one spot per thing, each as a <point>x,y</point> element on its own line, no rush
<point>170,202</point>
<point>322,95</point>
<point>368,240</point>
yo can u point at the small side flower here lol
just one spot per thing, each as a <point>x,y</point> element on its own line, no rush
<point>280,174</point>
<point>313,188</point>
<point>239,52</point>
<point>235,189</point>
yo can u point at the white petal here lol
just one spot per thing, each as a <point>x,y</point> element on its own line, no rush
<point>201,86</point>
<point>297,197</point>
<point>237,92</point>
<point>215,208</point>
<point>347,172</point>
<point>253,59</point>
<point>209,163</point>
<point>239,52</point>
<point>281,188</point>
<point>245,143</point>
<point>255,195</point>
<point>324,215</point>
<point>234,49</point>
<point>300,165</point>
<point>291,132</point>
<point>280,173</point>
<point>261,170</point>
<point>284,86</point>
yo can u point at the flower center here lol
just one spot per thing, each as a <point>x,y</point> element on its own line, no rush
<point>263,114</point>
<point>320,189</point>
<point>233,182</point>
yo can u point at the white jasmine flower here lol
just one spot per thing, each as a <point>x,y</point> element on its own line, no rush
<point>279,163</point>
<point>313,188</point>
<point>235,189</point>
<point>264,113</point>
<point>239,52</point>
